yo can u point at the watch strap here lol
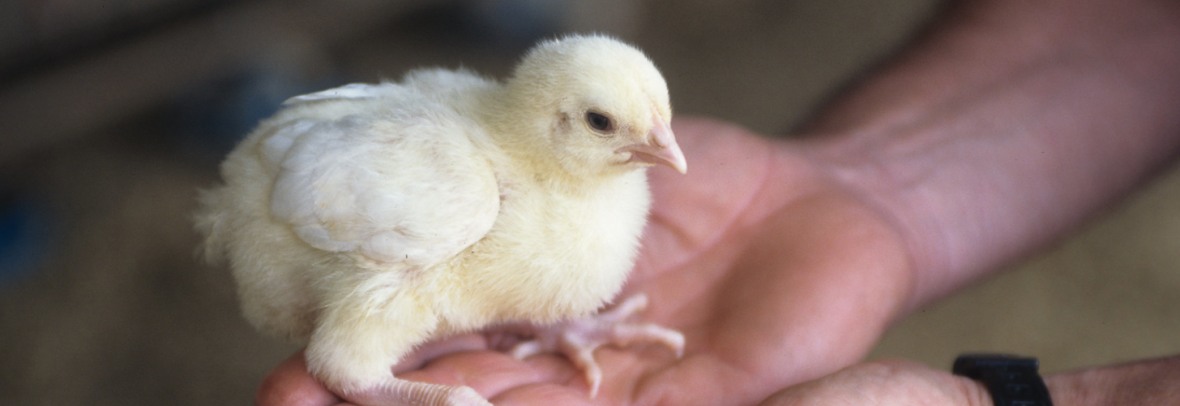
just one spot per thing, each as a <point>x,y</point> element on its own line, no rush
<point>1011,380</point>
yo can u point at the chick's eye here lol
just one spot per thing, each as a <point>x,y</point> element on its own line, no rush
<point>599,121</point>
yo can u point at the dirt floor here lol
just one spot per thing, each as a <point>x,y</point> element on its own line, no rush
<point>121,312</point>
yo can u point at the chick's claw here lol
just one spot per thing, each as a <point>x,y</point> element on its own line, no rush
<point>578,339</point>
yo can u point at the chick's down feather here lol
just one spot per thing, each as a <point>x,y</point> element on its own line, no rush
<point>368,219</point>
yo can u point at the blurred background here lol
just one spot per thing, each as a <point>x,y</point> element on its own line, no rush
<point>113,113</point>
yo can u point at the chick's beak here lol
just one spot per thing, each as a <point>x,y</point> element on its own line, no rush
<point>660,148</point>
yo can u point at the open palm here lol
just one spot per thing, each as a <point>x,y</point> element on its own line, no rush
<point>773,271</point>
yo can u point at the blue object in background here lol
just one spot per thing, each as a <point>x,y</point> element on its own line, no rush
<point>24,235</point>
<point>519,22</point>
<point>214,118</point>
<point>210,120</point>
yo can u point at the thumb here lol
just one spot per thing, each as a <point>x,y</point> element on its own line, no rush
<point>890,382</point>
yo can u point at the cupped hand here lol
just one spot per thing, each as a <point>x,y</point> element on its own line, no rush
<point>775,273</point>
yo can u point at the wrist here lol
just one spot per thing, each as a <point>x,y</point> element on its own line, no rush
<point>860,172</point>
<point>1072,389</point>
<point>887,284</point>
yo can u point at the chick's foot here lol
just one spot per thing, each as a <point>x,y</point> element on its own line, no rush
<point>578,339</point>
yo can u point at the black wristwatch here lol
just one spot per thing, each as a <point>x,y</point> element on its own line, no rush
<point>1011,380</point>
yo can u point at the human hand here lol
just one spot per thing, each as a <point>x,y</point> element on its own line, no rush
<point>775,274</point>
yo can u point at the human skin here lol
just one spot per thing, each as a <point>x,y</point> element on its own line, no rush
<point>1002,129</point>
<point>905,383</point>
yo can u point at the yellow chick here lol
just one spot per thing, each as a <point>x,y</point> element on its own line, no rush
<point>368,219</point>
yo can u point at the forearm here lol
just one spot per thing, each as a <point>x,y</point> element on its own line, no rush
<point>1007,126</point>
<point>1155,382</point>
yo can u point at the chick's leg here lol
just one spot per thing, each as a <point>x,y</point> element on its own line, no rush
<point>578,339</point>
<point>356,343</point>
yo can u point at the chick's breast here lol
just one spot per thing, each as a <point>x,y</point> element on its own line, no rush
<point>552,254</point>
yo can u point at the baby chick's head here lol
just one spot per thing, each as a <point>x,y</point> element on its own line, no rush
<point>602,104</point>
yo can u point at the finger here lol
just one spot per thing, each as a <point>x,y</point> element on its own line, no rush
<point>492,373</point>
<point>435,349</point>
<point>885,382</point>
<point>543,394</point>
<point>289,384</point>
<point>649,375</point>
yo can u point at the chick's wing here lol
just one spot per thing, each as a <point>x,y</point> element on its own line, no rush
<point>413,190</point>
